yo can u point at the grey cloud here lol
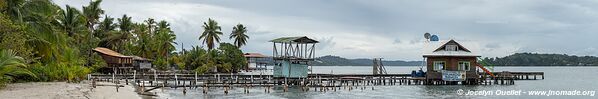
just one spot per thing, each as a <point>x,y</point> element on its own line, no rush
<point>551,26</point>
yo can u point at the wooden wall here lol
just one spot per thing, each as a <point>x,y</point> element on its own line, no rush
<point>451,63</point>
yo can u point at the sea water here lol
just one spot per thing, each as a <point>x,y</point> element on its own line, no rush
<point>560,82</point>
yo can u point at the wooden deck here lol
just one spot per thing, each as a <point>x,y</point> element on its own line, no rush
<point>174,80</point>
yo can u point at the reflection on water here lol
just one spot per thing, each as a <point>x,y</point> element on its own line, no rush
<point>557,78</point>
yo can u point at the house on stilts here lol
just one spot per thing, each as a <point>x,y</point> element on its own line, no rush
<point>119,63</point>
<point>451,62</point>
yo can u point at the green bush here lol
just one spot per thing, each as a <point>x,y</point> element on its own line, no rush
<point>11,67</point>
<point>161,64</point>
<point>60,72</point>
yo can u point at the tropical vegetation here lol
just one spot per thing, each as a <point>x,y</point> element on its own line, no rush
<point>42,41</point>
<point>536,59</point>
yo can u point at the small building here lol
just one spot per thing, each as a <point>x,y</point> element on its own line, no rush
<point>292,56</point>
<point>142,64</point>
<point>120,63</point>
<point>256,61</point>
<point>451,61</point>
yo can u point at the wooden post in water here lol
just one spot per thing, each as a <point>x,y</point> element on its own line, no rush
<point>176,81</point>
<point>194,83</point>
<point>155,76</point>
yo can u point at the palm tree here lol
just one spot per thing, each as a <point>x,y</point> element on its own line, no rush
<point>125,24</point>
<point>239,35</point>
<point>70,20</point>
<point>211,33</point>
<point>105,26</point>
<point>150,25</point>
<point>118,40</point>
<point>12,66</point>
<point>143,41</point>
<point>42,18</point>
<point>164,25</point>
<point>92,15</point>
<point>13,9</point>
<point>165,40</point>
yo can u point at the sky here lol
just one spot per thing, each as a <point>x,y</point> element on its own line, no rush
<point>391,29</point>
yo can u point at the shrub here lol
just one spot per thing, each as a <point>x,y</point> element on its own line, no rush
<point>12,66</point>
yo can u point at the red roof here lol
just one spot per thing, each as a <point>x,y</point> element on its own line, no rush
<point>254,55</point>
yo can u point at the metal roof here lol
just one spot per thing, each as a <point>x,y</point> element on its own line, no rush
<point>300,39</point>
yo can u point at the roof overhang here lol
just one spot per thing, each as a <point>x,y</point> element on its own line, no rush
<point>299,39</point>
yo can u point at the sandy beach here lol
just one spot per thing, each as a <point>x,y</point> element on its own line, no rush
<point>63,90</point>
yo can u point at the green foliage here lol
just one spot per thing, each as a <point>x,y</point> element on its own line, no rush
<point>14,36</point>
<point>232,55</point>
<point>239,36</point>
<point>227,58</point>
<point>194,58</point>
<point>534,59</point>
<point>178,61</point>
<point>12,66</point>
<point>69,68</point>
<point>205,68</point>
<point>60,72</point>
<point>48,37</point>
<point>211,33</point>
<point>55,42</point>
<point>161,64</point>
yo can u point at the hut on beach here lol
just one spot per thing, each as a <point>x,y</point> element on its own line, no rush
<point>451,61</point>
<point>120,63</point>
<point>292,55</point>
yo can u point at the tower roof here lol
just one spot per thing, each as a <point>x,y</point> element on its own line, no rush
<point>299,39</point>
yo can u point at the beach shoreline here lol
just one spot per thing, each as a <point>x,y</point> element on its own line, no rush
<point>64,90</point>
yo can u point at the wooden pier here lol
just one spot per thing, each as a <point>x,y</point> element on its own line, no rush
<point>150,81</point>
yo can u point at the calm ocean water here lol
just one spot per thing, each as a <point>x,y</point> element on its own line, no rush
<point>556,79</point>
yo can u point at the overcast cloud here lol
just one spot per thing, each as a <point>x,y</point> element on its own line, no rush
<point>392,29</point>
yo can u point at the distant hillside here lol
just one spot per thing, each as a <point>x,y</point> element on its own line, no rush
<point>534,59</point>
<point>339,61</point>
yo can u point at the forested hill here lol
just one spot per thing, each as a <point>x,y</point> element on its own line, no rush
<point>534,59</point>
<point>339,61</point>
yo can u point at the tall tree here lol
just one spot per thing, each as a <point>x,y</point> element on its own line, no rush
<point>107,25</point>
<point>13,9</point>
<point>239,35</point>
<point>45,23</point>
<point>92,14</point>
<point>151,24</point>
<point>211,33</point>
<point>70,20</point>
<point>164,25</point>
<point>143,41</point>
<point>125,24</point>
<point>165,38</point>
<point>119,39</point>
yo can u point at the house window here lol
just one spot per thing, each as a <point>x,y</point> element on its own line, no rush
<point>439,65</point>
<point>450,48</point>
<point>464,65</point>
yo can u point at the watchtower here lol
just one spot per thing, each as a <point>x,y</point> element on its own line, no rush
<point>292,55</point>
